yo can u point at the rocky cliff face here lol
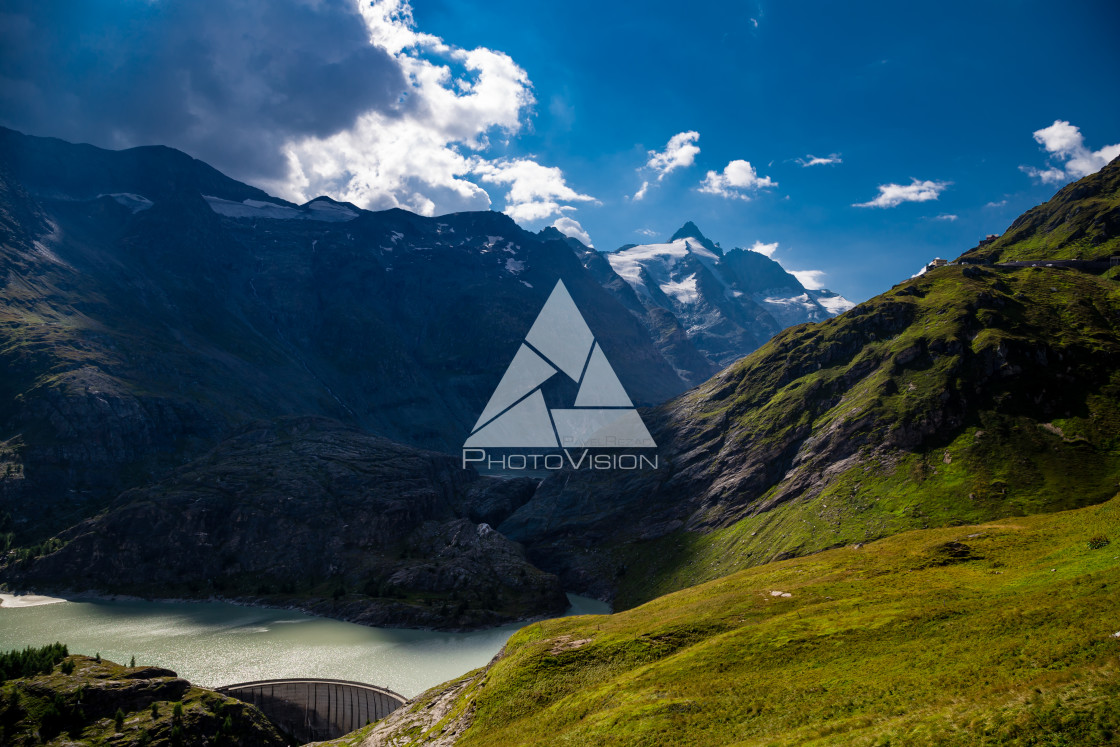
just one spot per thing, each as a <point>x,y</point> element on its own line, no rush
<point>307,512</point>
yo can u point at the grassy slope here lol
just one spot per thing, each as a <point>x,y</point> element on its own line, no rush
<point>1002,455</point>
<point>1079,222</point>
<point>909,640</point>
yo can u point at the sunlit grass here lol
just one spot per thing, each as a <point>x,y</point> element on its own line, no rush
<point>907,640</point>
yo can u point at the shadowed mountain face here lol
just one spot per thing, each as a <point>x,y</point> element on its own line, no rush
<point>152,304</point>
<point>306,512</point>
<point>139,330</point>
<point>157,312</point>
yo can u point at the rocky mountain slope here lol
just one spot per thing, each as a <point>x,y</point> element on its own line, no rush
<point>962,395</point>
<point>84,700</point>
<point>1002,633</point>
<point>707,308</point>
<point>151,305</point>
<point>309,513</point>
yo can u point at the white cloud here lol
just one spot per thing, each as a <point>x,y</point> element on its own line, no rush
<point>646,232</point>
<point>1065,143</point>
<point>891,195</point>
<point>390,24</point>
<point>1060,137</point>
<point>535,191</point>
<point>946,217</point>
<point>999,204</point>
<point>679,152</point>
<point>571,227</point>
<point>423,154</point>
<point>1051,175</point>
<point>811,279</point>
<point>767,249</point>
<point>812,160</point>
<point>737,176</point>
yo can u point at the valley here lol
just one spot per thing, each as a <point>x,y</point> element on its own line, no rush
<point>214,394</point>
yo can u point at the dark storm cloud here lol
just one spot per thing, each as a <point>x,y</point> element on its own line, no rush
<point>227,82</point>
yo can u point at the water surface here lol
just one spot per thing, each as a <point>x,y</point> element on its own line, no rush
<point>214,643</point>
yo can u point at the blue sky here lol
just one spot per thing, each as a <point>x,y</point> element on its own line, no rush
<point>563,110</point>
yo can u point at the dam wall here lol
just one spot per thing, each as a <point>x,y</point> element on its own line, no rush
<point>312,710</point>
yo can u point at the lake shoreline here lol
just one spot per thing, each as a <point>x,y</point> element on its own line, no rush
<point>18,601</point>
<point>12,600</point>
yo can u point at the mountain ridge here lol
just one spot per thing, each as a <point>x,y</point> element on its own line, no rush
<point>1080,222</point>
<point>154,305</point>
<point>133,338</point>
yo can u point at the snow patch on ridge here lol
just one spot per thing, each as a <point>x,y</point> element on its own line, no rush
<point>319,210</point>
<point>834,303</point>
<point>133,202</point>
<point>658,262</point>
<point>330,211</point>
<point>683,291</point>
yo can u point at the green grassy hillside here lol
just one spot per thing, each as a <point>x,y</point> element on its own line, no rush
<point>1082,221</point>
<point>1000,633</point>
<point>997,398</point>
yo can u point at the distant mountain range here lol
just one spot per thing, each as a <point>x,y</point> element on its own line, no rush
<point>181,350</point>
<point>154,307</point>
<point>153,304</point>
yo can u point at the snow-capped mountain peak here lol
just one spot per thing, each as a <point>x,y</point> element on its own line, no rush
<point>690,231</point>
<point>725,303</point>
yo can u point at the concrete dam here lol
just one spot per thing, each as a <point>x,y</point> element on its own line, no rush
<point>312,710</point>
